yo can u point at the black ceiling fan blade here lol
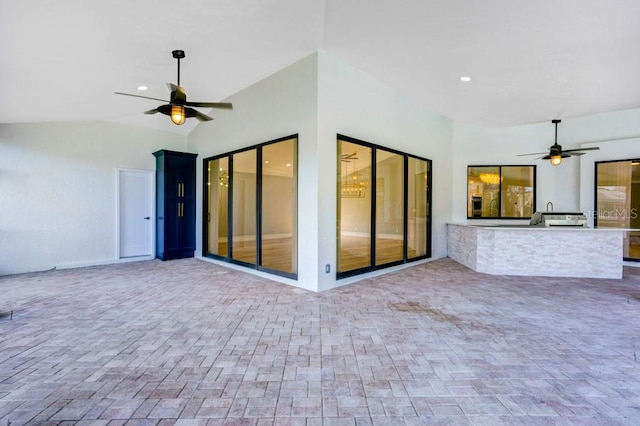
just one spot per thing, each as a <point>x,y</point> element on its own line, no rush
<point>535,153</point>
<point>219,105</point>
<point>152,111</point>
<point>138,96</point>
<point>190,112</point>
<point>575,154</point>
<point>178,94</point>
<point>595,148</point>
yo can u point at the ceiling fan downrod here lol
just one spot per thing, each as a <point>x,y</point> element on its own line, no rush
<point>178,54</point>
<point>556,123</point>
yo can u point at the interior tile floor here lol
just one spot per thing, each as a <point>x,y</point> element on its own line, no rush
<point>189,342</point>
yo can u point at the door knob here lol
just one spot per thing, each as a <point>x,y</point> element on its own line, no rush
<point>147,218</point>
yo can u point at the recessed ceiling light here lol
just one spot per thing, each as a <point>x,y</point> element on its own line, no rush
<point>465,78</point>
<point>266,161</point>
<point>142,88</point>
<point>288,164</point>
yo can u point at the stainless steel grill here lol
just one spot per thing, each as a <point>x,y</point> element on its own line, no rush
<point>558,219</point>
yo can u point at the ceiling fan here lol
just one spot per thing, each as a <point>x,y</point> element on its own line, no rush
<point>178,108</point>
<point>556,154</point>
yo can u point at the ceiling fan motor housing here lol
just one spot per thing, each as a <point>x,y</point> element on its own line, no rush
<point>178,96</point>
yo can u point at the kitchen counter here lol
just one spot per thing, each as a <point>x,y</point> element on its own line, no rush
<point>537,251</point>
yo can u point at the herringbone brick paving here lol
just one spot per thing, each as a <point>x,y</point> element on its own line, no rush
<point>189,342</point>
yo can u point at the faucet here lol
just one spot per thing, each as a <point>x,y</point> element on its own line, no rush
<point>549,203</point>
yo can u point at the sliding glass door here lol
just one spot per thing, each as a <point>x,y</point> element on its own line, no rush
<point>253,193</point>
<point>618,201</point>
<point>244,210</point>
<point>354,224</point>
<point>390,207</point>
<point>383,207</point>
<point>279,207</point>
<point>418,177</point>
<point>218,206</point>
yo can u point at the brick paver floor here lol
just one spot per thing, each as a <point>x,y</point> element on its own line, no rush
<point>189,342</point>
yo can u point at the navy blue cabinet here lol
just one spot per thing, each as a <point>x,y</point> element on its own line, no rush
<point>175,204</point>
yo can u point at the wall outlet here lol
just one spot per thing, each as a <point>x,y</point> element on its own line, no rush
<point>327,268</point>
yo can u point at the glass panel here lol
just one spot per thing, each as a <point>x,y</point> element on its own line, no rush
<point>218,207</point>
<point>633,251</point>
<point>279,206</point>
<point>516,198</point>
<point>500,191</point>
<point>354,206</point>
<point>417,207</point>
<point>244,207</point>
<point>389,207</point>
<point>483,192</point>
<point>614,200</point>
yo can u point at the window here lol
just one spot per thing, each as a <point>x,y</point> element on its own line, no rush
<point>501,192</point>
<point>251,207</point>
<point>383,207</point>
<point>618,201</point>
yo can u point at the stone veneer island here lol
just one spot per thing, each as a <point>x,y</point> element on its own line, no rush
<point>537,251</point>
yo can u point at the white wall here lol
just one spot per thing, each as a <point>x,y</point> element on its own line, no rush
<point>281,105</point>
<point>58,190</point>
<point>568,186</point>
<point>354,104</point>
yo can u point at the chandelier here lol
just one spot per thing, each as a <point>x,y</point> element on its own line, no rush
<point>351,188</point>
<point>223,177</point>
<point>490,178</point>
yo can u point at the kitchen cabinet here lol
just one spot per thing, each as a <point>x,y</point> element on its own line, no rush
<point>175,204</point>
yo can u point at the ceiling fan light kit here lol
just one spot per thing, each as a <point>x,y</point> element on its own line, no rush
<point>178,116</point>
<point>556,154</point>
<point>178,109</point>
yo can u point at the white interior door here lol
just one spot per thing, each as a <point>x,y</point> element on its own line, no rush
<point>135,196</point>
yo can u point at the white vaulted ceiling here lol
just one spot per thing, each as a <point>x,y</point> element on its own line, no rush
<point>529,61</point>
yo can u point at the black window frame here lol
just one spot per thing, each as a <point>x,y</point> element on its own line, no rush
<point>429,234</point>
<point>500,166</point>
<point>595,197</point>
<point>258,226</point>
